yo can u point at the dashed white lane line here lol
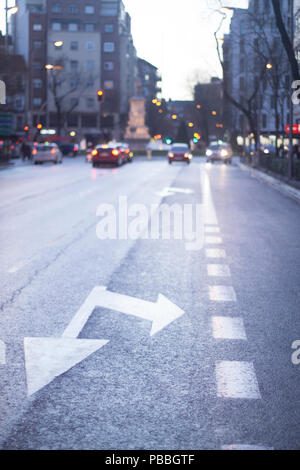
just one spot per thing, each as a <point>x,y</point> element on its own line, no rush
<point>222,294</point>
<point>245,447</point>
<point>213,240</point>
<point>236,380</point>
<point>228,328</point>
<point>2,353</point>
<point>215,253</point>
<point>212,230</point>
<point>218,270</point>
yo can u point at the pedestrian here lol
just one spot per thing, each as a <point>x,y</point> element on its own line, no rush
<point>149,151</point>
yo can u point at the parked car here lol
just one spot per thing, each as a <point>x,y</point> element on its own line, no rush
<point>110,153</point>
<point>219,151</point>
<point>180,153</point>
<point>124,148</point>
<point>46,153</point>
<point>68,148</point>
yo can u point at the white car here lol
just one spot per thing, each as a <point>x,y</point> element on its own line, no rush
<point>219,151</point>
<point>46,153</point>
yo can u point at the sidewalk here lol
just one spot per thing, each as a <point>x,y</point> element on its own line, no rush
<point>292,191</point>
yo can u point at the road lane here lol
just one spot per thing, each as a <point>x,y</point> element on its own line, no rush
<point>192,385</point>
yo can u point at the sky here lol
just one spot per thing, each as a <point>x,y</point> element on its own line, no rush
<point>177,36</point>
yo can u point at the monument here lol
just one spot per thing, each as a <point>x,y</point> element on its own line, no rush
<point>137,133</point>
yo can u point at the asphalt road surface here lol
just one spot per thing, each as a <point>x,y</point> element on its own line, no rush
<point>139,343</point>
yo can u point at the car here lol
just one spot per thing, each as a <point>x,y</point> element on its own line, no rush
<point>219,151</point>
<point>109,153</point>
<point>124,148</point>
<point>46,153</point>
<point>180,152</point>
<point>68,148</point>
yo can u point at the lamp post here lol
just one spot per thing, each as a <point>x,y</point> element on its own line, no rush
<point>290,159</point>
<point>13,10</point>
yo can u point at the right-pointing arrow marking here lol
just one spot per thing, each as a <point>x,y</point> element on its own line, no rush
<point>160,313</point>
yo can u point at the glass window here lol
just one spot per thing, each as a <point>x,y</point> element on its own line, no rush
<point>56,8</point>
<point>37,83</point>
<point>108,66</point>
<point>37,45</point>
<point>109,47</point>
<point>74,65</point>
<point>108,28</point>
<point>108,84</point>
<point>73,9</point>
<point>56,26</point>
<point>90,102</point>
<point>89,27</point>
<point>90,65</point>
<point>74,46</point>
<point>90,46</point>
<point>109,9</point>
<point>37,27</point>
<point>73,27</point>
<point>37,101</point>
<point>89,10</point>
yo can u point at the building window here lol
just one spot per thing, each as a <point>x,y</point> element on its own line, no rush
<point>89,27</point>
<point>74,65</point>
<point>74,84</point>
<point>90,102</point>
<point>37,102</point>
<point>56,8</point>
<point>90,82</point>
<point>90,46</point>
<point>89,10</point>
<point>108,66</point>
<point>37,66</point>
<point>37,83</point>
<point>108,28</point>
<point>73,27</point>
<point>90,65</point>
<point>109,9</point>
<point>109,47</point>
<point>37,27</point>
<point>56,26</point>
<point>73,9</point>
<point>74,46</point>
<point>37,45</point>
<point>108,84</point>
<point>74,102</point>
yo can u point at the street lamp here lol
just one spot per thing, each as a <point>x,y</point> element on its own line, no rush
<point>58,44</point>
<point>12,10</point>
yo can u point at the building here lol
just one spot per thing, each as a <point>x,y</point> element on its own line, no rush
<point>297,48</point>
<point>256,72</point>
<point>209,104</point>
<point>149,78</point>
<point>72,50</point>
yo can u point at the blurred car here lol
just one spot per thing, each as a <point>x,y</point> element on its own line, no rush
<point>219,151</point>
<point>68,148</point>
<point>124,148</point>
<point>15,150</point>
<point>110,153</point>
<point>180,153</point>
<point>46,153</point>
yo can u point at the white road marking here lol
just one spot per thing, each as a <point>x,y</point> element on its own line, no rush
<point>215,253</point>
<point>161,313</point>
<point>2,353</point>
<point>171,191</point>
<point>213,240</point>
<point>14,269</point>
<point>236,380</point>
<point>228,328</point>
<point>222,294</point>
<point>47,358</point>
<point>218,270</point>
<point>245,447</point>
<point>212,229</point>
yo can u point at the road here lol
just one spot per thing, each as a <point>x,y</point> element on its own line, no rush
<point>90,359</point>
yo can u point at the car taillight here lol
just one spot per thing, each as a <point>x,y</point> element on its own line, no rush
<point>94,152</point>
<point>34,152</point>
<point>75,148</point>
<point>115,152</point>
<point>127,151</point>
<point>53,151</point>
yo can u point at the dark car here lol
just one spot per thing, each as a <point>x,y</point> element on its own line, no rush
<point>109,153</point>
<point>68,148</point>
<point>180,153</point>
<point>219,151</point>
<point>124,148</point>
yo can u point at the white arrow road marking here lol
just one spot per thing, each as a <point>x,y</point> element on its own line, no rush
<point>2,353</point>
<point>161,313</point>
<point>47,358</point>
<point>171,191</point>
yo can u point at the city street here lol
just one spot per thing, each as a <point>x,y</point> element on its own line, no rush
<point>146,344</point>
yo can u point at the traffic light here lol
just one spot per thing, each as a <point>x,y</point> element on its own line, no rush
<point>26,128</point>
<point>100,95</point>
<point>39,127</point>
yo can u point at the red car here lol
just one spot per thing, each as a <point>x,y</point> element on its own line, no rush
<point>180,153</point>
<point>108,154</point>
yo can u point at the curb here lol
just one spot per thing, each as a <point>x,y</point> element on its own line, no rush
<point>277,184</point>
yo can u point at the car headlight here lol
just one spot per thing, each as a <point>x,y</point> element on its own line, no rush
<point>171,155</point>
<point>209,153</point>
<point>224,153</point>
<point>266,151</point>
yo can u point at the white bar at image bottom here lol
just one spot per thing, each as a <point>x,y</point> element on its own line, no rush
<point>237,380</point>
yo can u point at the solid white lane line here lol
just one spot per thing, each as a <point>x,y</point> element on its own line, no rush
<point>215,253</point>
<point>236,380</point>
<point>228,328</point>
<point>212,229</point>
<point>245,447</point>
<point>213,240</point>
<point>2,353</point>
<point>218,270</point>
<point>222,294</point>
